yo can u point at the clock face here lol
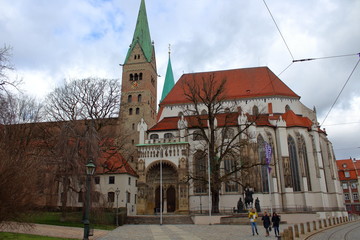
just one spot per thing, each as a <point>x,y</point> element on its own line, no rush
<point>135,84</point>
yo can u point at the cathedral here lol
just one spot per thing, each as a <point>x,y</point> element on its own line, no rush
<point>295,173</point>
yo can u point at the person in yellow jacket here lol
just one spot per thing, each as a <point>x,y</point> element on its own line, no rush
<point>253,216</point>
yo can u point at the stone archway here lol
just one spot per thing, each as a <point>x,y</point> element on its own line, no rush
<point>170,186</point>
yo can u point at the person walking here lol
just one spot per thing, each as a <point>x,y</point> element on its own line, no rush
<point>253,216</point>
<point>266,222</point>
<point>276,223</point>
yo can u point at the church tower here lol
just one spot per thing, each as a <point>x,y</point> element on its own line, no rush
<point>139,83</point>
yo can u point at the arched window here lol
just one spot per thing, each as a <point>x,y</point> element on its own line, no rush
<point>154,136</point>
<point>239,109</point>
<point>228,133</point>
<point>180,114</point>
<point>294,164</point>
<point>131,76</point>
<point>197,135</point>
<point>203,112</point>
<point>200,180</point>
<point>230,168</point>
<point>129,99</point>
<point>287,108</point>
<point>264,168</point>
<point>255,110</point>
<point>130,111</point>
<point>137,111</point>
<point>139,98</point>
<point>304,156</point>
<point>168,135</point>
<point>136,77</point>
<point>227,110</point>
<point>140,76</point>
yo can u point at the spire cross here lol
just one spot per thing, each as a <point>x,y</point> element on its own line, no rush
<point>169,49</point>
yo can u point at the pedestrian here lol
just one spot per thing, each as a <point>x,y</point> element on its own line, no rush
<point>253,216</point>
<point>266,223</point>
<point>275,223</point>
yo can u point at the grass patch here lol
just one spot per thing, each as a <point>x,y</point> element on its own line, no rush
<point>21,236</point>
<point>73,219</point>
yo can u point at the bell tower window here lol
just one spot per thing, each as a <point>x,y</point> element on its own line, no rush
<point>137,111</point>
<point>130,111</point>
<point>139,98</point>
<point>131,76</point>
<point>136,77</point>
<point>140,76</point>
<point>129,99</point>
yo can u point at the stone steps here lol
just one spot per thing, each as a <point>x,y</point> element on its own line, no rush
<point>155,219</point>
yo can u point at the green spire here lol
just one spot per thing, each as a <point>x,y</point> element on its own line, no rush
<point>169,80</point>
<point>142,35</point>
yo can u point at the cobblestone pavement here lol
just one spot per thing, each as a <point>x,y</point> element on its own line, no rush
<point>188,232</point>
<point>346,231</point>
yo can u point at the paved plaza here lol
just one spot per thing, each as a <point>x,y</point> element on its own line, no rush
<point>189,232</point>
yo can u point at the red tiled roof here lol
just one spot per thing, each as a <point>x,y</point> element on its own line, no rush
<point>230,119</point>
<point>346,165</point>
<point>111,161</point>
<point>293,120</point>
<point>240,83</point>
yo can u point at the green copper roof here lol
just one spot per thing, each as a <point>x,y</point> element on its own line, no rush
<point>169,81</point>
<point>142,35</point>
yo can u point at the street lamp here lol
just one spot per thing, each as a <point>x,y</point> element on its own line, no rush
<point>117,192</point>
<point>90,169</point>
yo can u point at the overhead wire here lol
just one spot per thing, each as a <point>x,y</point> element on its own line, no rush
<point>332,106</point>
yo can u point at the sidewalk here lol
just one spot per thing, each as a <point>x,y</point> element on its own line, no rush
<point>52,231</point>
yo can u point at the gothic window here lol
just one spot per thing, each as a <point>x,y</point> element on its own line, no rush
<point>200,185</point>
<point>287,108</point>
<point>129,98</point>
<point>304,155</point>
<point>230,166</point>
<point>139,98</point>
<point>264,168</point>
<point>255,110</point>
<point>133,126</point>
<point>137,111</point>
<point>136,77</point>
<point>228,133</point>
<point>197,135</point>
<point>140,76</point>
<point>130,111</point>
<point>154,136</point>
<point>131,77</point>
<point>294,164</point>
<point>138,56</point>
<point>168,135</point>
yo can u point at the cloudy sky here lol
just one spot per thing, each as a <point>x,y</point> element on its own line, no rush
<point>56,40</point>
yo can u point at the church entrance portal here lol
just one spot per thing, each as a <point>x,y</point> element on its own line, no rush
<point>170,183</point>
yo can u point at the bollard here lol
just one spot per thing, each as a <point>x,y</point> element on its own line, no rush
<point>341,219</point>
<point>285,234</point>
<point>302,229</point>
<point>325,223</point>
<point>314,225</point>
<point>291,233</point>
<point>308,229</point>
<point>329,220</point>
<point>296,230</point>
<point>320,225</point>
<point>334,221</point>
<point>337,220</point>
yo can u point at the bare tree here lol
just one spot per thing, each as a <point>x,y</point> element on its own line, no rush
<point>5,68</point>
<point>84,113</point>
<point>19,162</point>
<point>222,141</point>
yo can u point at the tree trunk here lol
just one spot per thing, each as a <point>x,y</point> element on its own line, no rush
<point>64,199</point>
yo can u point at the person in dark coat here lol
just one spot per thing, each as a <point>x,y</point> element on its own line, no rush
<point>276,222</point>
<point>266,222</point>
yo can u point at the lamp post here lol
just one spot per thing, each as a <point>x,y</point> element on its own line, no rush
<point>117,192</point>
<point>90,169</point>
